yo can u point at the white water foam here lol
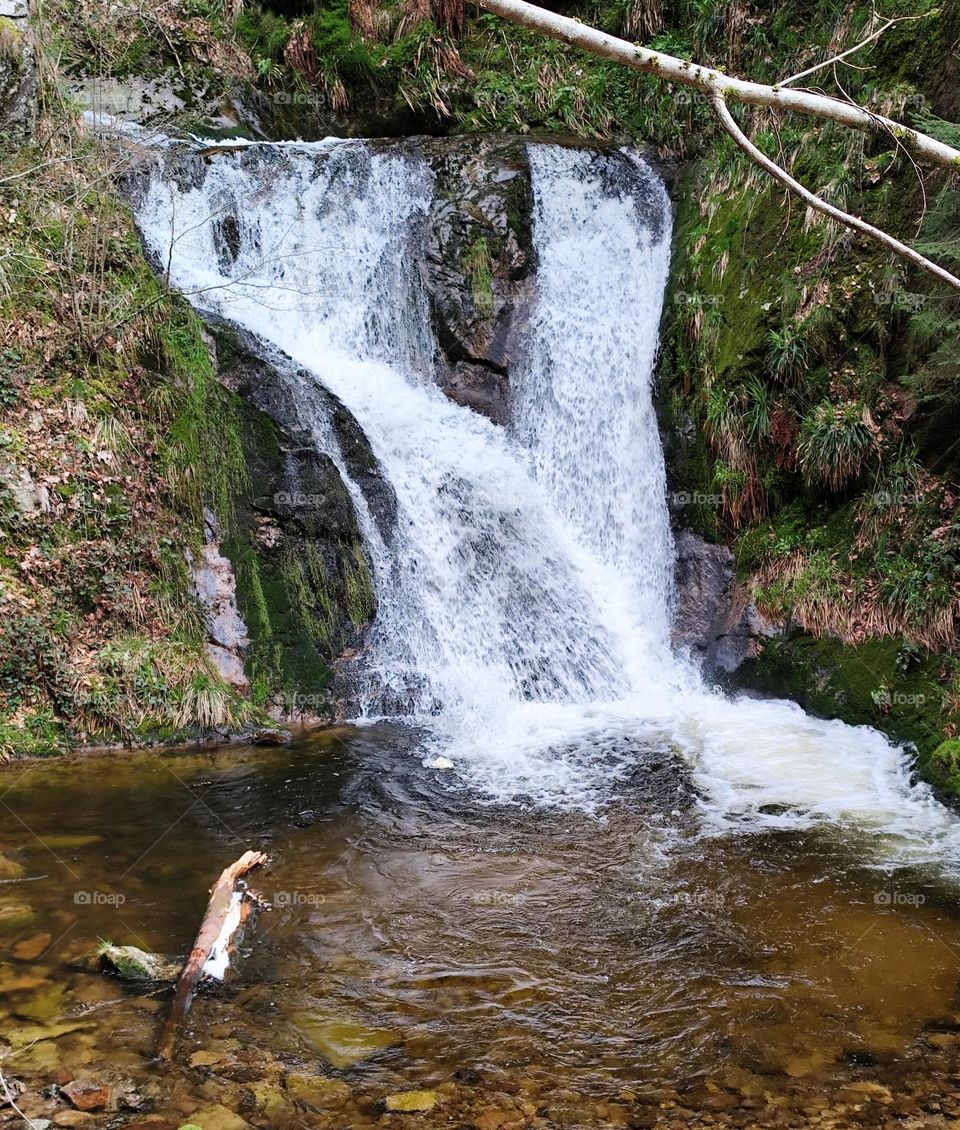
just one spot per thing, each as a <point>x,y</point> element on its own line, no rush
<point>524,600</point>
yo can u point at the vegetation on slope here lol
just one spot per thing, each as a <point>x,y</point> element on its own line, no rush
<point>107,409</point>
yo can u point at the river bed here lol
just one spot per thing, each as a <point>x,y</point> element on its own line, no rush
<point>529,967</point>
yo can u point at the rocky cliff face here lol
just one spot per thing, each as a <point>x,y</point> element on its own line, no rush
<point>18,74</point>
<point>716,620</point>
<point>479,267</point>
<point>303,591</point>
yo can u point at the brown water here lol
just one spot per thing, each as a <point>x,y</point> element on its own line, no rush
<point>558,969</point>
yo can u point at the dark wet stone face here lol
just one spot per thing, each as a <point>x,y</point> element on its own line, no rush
<point>621,177</point>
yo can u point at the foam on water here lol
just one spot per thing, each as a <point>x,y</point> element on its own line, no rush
<point>525,596</point>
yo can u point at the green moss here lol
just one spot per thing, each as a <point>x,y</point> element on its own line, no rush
<point>358,587</point>
<point>11,41</point>
<point>942,767</point>
<point>478,268</point>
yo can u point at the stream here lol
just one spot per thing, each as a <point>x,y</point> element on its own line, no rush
<point>504,956</point>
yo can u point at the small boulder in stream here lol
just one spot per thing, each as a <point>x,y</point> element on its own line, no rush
<point>133,964</point>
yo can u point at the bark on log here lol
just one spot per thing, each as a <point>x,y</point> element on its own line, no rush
<point>221,897</point>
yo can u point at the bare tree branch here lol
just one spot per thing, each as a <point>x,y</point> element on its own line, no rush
<point>850,50</point>
<point>708,79</point>
<point>758,157</point>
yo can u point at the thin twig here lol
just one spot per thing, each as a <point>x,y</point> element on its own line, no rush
<point>849,51</point>
<point>756,155</point>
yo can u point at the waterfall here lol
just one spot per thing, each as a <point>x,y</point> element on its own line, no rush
<point>525,595</point>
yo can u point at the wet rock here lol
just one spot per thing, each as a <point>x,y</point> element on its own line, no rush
<point>218,1117</point>
<point>316,1090</point>
<point>411,1101</point>
<point>86,1095</point>
<point>271,737</point>
<point>479,264</point>
<point>866,1089</point>
<point>715,619</point>
<point>32,948</point>
<point>479,387</point>
<point>343,1043</point>
<point>134,964</point>
<point>309,600</point>
<point>310,487</point>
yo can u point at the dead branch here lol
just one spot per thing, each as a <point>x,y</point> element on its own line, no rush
<point>821,205</point>
<point>218,908</point>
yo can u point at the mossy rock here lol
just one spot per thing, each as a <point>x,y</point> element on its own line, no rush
<point>304,586</point>
<point>942,767</point>
<point>135,964</point>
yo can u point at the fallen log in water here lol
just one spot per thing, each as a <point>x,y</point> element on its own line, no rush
<point>227,911</point>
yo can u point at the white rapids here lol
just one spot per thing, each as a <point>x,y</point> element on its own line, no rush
<point>525,598</point>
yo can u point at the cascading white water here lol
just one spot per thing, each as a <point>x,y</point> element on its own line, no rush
<point>524,599</point>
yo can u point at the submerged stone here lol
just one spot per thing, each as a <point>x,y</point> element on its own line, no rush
<point>218,1118</point>
<point>32,948</point>
<point>74,1118</point>
<point>35,1033</point>
<point>411,1100</point>
<point>9,869</point>
<point>269,1100</point>
<point>343,1043</point>
<point>86,1095</point>
<point>15,917</point>
<point>316,1090</point>
<point>66,842</point>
